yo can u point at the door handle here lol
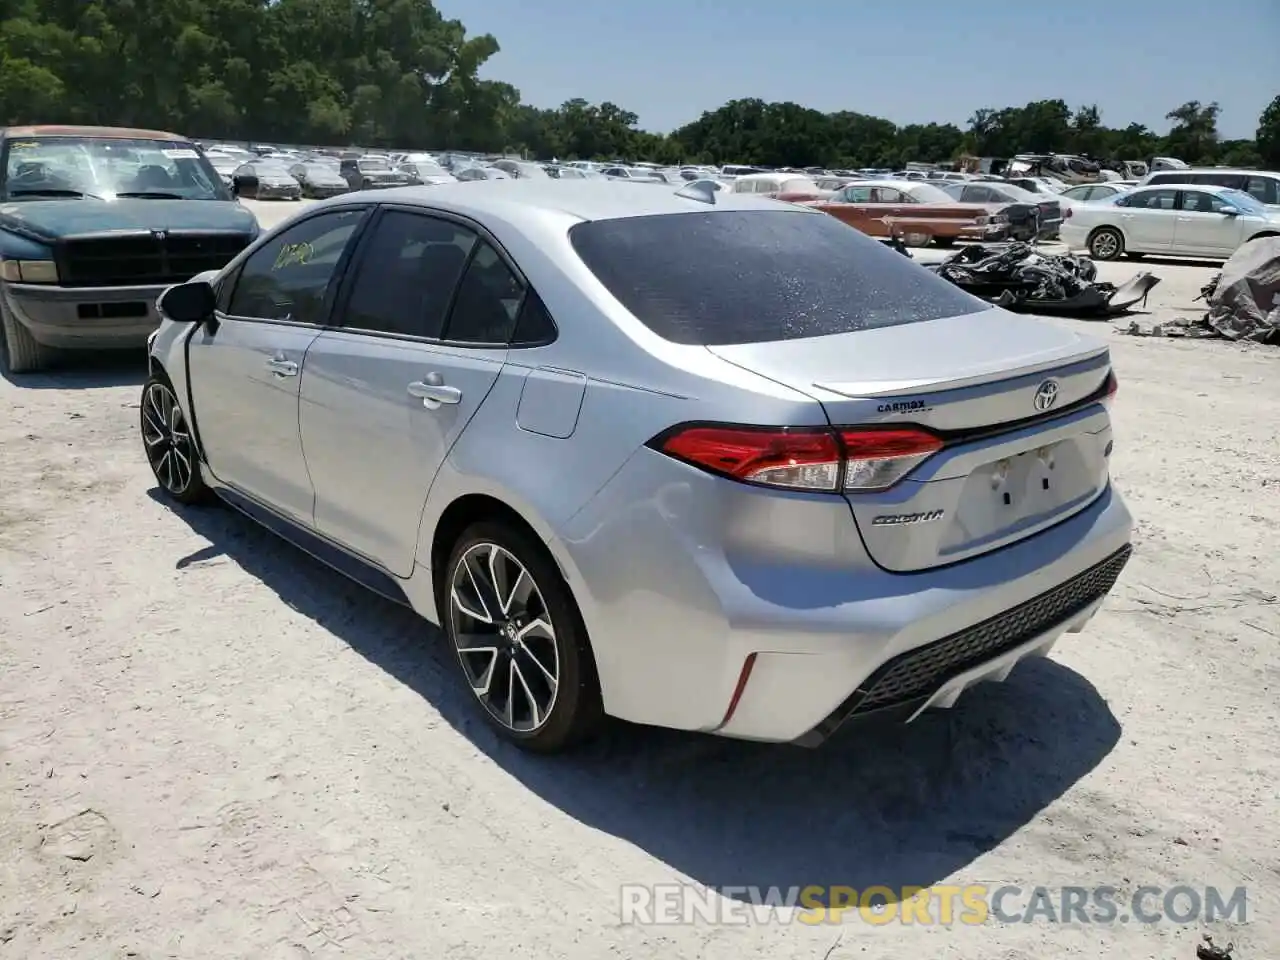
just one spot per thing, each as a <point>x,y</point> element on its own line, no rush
<point>282,367</point>
<point>432,391</point>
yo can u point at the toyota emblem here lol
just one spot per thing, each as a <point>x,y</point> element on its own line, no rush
<point>1046,395</point>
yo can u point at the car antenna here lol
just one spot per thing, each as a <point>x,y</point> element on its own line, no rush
<point>700,190</point>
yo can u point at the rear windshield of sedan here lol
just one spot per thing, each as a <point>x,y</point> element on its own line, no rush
<point>756,276</point>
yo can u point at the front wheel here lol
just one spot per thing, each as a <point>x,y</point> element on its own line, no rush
<point>1106,243</point>
<point>519,639</point>
<point>20,352</point>
<point>168,443</point>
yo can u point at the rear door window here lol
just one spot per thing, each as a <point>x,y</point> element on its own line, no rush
<point>1265,189</point>
<point>406,275</point>
<point>487,302</point>
<point>752,276</point>
<point>1153,200</point>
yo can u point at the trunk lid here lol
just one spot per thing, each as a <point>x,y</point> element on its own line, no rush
<point>1012,465</point>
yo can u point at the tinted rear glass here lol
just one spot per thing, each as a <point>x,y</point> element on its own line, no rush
<point>754,276</point>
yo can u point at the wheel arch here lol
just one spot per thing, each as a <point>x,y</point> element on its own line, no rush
<point>470,508</point>
<point>167,356</point>
<point>1263,235</point>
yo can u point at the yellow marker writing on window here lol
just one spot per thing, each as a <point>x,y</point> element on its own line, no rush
<point>293,253</point>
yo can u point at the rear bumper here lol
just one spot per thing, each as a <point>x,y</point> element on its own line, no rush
<point>675,611</point>
<point>923,649</point>
<point>277,193</point>
<point>988,233</point>
<point>935,674</point>
<point>85,317</point>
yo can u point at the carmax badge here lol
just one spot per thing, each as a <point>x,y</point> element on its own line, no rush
<point>893,519</point>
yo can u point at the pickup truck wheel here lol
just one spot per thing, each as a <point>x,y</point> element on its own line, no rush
<point>1106,243</point>
<point>21,352</point>
<point>914,239</point>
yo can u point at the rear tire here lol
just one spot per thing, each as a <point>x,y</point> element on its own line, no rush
<point>521,646</point>
<point>20,352</point>
<point>168,443</point>
<point>1106,243</point>
<point>917,239</point>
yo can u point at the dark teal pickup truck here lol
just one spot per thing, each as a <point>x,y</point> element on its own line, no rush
<point>95,222</point>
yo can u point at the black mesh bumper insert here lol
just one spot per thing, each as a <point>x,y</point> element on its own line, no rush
<point>917,673</point>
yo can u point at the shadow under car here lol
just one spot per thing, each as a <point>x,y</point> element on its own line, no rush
<point>880,804</point>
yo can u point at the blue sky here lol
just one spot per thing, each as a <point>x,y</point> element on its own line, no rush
<point>911,61</point>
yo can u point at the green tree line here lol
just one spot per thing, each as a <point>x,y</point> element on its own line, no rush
<point>398,73</point>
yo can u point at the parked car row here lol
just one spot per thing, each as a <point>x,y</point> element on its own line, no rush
<point>87,239</point>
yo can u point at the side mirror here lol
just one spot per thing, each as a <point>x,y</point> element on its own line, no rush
<point>192,302</point>
<point>1229,211</point>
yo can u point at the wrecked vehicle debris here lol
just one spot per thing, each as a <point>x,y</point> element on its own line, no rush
<point>1244,303</point>
<point>1244,299</point>
<point>1017,276</point>
<point>1208,950</point>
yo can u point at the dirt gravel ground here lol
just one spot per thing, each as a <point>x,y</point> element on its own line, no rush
<point>212,747</point>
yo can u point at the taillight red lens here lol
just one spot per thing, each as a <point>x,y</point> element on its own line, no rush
<point>796,458</point>
<point>877,459</point>
<point>804,458</point>
<point>1113,385</point>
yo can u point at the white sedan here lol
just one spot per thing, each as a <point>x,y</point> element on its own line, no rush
<point>1180,221</point>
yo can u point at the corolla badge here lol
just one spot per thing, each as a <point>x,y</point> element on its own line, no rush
<point>1046,395</point>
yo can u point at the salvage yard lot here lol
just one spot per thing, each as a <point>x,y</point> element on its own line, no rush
<point>211,746</point>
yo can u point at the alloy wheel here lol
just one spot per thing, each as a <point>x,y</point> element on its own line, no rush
<point>504,637</point>
<point>167,439</point>
<point>1105,245</point>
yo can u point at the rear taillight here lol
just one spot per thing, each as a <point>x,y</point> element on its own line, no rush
<point>1109,391</point>
<point>818,459</point>
<point>796,458</point>
<point>877,459</point>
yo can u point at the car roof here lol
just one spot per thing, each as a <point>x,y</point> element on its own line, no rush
<point>514,200</point>
<point>104,133</point>
<point>1231,170</point>
<point>887,182</point>
<point>1205,187</point>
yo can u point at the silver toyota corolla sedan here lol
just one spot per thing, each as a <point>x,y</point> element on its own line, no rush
<point>684,458</point>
